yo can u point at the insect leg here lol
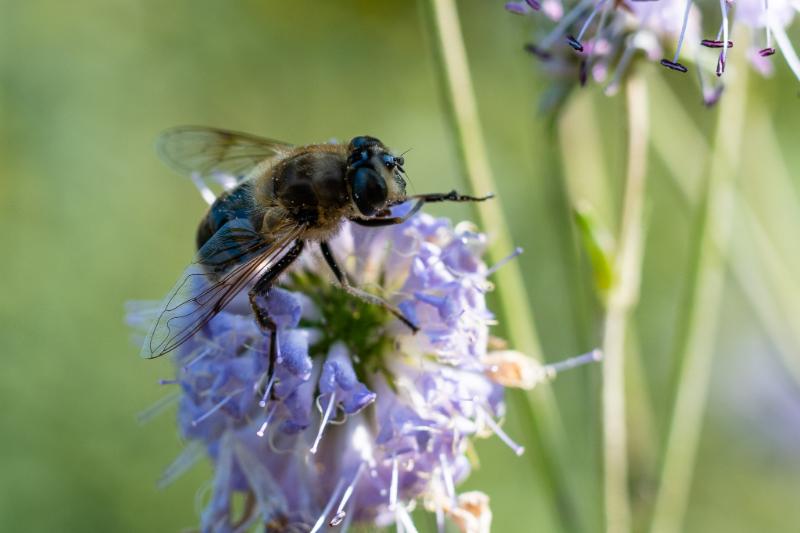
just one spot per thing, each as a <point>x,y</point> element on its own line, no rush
<point>422,199</point>
<point>451,196</point>
<point>358,293</point>
<point>262,288</point>
<point>388,221</point>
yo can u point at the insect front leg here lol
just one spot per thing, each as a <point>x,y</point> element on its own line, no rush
<point>422,199</point>
<point>360,294</point>
<point>262,288</point>
<point>452,196</point>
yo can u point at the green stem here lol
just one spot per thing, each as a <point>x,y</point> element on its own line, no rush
<point>538,406</point>
<point>621,300</point>
<point>696,346</point>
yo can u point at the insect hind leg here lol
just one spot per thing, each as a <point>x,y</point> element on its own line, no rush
<point>361,294</point>
<point>270,327</point>
<point>265,322</point>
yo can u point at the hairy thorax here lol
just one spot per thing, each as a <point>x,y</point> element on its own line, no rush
<point>308,187</point>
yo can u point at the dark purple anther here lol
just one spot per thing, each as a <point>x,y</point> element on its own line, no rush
<point>534,4</point>
<point>712,43</point>
<point>544,55</point>
<point>516,8</point>
<point>574,43</point>
<point>582,73</point>
<point>766,52</point>
<point>720,65</point>
<point>673,65</point>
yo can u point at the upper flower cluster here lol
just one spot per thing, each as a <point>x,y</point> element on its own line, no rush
<point>600,38</point>
<point>360,418</point>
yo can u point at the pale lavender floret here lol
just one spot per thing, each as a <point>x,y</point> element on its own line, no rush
<point>299,404</point>
<point>293,365</point>
<point>339,378</point>
<point>285,308</point>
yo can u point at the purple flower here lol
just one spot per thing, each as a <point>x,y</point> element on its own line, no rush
<point>360,418</point>
<point>598,40</point>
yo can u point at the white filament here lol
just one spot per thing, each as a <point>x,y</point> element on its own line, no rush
<point>328,506</point>
<point>324,423</point>
<point>447,477</point>
<point>589,19</point>
<point>216,408</point>
<point>683,30</point>
<point>516,448</point>
<point>393,486</point>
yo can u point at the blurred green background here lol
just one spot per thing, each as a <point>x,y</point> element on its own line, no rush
<point>89,218</point>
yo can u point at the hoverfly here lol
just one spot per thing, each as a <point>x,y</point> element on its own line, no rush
<point>284,197</point>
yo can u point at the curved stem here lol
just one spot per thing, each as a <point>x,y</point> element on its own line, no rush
<point>621,300</point>
<point>696,346</point>
<point>455,81</point>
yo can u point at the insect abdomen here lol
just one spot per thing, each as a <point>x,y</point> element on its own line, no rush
<point>234,204</point>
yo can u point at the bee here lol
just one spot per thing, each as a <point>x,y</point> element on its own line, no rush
<point>284,197</point>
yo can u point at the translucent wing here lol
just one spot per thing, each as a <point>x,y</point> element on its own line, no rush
<point>233,258</point>
<point>210,151</point>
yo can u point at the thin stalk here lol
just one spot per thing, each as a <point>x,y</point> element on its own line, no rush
<point>537,407</point>
<point>588,194</point>
<point>622,299</point>
<point>701,314</point>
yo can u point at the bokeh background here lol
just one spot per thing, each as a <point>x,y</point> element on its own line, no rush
<point>89,218</point>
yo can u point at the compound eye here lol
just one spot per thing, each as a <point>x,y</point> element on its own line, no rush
<point>369,191</point>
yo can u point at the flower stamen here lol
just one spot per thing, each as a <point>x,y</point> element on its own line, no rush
<point>567,364</point>
<point>723,5</point>
<point>197,358</point>
<point>575,42</point>
<point>404,522</point>
<point>215,408</point>
<point>513,255</point>
<point>768,43</point>
<point>447,477</point>
<point>563,24</point>
<point>715,43</point>
<point>267,390</point>
<point>393,484</point>
<point>674,64</point>
<point>497,430</point>
<point>328,506</point>
<point>440,527</point>
<point>340,515</point>
<point>157,408</point>
<point>270,414</point>
<point>325,417</point>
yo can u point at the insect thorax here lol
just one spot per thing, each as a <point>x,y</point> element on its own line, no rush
<point>311,188</point>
